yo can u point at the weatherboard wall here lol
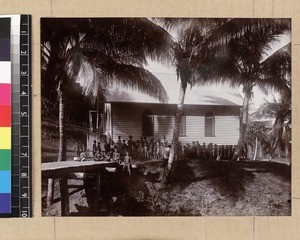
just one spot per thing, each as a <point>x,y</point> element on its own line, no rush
<point>127,120</point>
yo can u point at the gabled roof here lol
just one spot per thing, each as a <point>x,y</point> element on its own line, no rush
<point>220,94</point>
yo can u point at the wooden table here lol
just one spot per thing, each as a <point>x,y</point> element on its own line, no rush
<point>62,170</point>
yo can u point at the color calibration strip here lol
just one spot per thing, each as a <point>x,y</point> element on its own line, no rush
<point>18,91</point>
<point>5,116</point>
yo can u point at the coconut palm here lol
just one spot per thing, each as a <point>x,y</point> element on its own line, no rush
<point>112,49</point>
<point>279,65</point>
<point>243,62</point>
<point>217,50</point>
<point>190,33</point>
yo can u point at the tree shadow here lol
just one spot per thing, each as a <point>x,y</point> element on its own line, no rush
<point>231,177</point>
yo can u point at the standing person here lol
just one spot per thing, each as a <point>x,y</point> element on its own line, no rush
<point>204,151</point>
<point>164,140</point>
<point>127,162</point>
<point>106,145</point>
<point>166,154</point>
<point>145,147</point>
<point>94,148</point>
<point>83,148</point>
<point>141,146</point>
<point>119,144</point>
<point>161,148</point>
<point>193,150</point>
<point>179,151</point>
<point>198,146</point>
<point>151,149</point>
<point>98,152</point>
<point>130,144</point>
<point>155,150</point>
<point>123,149</point>
<point>77,151</point>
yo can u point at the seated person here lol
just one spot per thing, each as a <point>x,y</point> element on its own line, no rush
<point>82,156</point>
<point>116,156</point>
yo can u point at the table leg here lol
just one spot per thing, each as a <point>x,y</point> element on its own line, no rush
<point>97,197</point>
<point>50,192</point>
<point>64,194</point>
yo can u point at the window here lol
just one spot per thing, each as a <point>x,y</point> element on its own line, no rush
<point>182,131</point>
<point>147,121</point>
<point>209,125</point>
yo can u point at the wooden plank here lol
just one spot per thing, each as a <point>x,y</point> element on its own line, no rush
<point>56,169</point>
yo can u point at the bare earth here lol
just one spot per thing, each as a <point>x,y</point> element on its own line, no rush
<point>198,189</point>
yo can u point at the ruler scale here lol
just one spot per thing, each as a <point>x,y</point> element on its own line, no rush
<point>21,117</point>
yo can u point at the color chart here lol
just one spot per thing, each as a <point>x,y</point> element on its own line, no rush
<point>5,116</point>
<point>15,116</point>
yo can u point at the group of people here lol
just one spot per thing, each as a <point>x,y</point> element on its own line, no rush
<point>160,149</point>
<point>149,148</point>
<point>80,152</point>
<point>107,153</point>
<point>123,150</point>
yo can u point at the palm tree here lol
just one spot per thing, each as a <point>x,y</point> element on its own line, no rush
<point>280,134</point>
<point>242,63</point>
<point>192,36</point>
<point>279,65</point>
<point>112,49</point>
<point>216,50</point>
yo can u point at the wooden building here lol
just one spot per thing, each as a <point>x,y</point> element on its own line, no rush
<point>211,115</point>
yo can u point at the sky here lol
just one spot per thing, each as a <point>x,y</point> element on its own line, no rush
<point>258,97</point>
<point>168,78</point>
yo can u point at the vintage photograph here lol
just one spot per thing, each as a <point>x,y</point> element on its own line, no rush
<point>166,116</point>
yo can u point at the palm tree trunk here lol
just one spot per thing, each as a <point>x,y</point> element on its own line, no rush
<point>61,152</point>
<point>178,116</point>
<point>255,151</point>
<point>50,77</point>
<point>63,183</point>
<point>278,143</point>
<point>241,149</point>
<point>62,139</point>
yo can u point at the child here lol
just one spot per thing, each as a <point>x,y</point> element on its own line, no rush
<point>145,147</point>
<point>150,149</point>
<point>161,148</point>
<point>77,152</point>
<point>127,162</point>
<point>116,156</point>
<point>82,156</point>
<point>94,148</point>
<point>166,154</point>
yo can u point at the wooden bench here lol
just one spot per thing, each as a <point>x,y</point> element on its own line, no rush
<point>63,171</point>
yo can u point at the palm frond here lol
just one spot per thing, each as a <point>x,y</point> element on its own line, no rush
<point>275,71</point>
<point>135,78</point>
